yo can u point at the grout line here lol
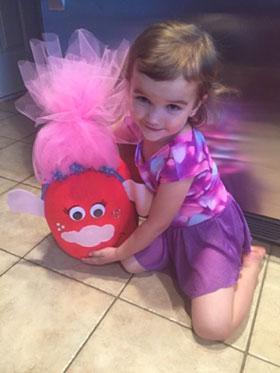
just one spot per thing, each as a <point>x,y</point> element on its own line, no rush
<point>53,270</point>
<point>246,352</point>
<point>25,182</point>
<point>97,325</point>
<point>16,262</point>
<point>12,143</point>
<point>8,178</point>
<point>176,322</point>
<point>89,336</point>
<point>17,183</point>
<point>73,279</point>
<point>10,114</point>
<point>37,244</point>
<point>33,132</point>
<point>67,276</point>
<point>126,284</point>
<point>7,137</point>
<point>117,297</point>
<point>143,308</point>
<point>21,140</point>
<point>32,185</point>
<point>22,256</point>
<point>264,360</point>
<point>8,252</point>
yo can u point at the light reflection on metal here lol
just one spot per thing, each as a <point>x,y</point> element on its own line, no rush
<point>56,4</point>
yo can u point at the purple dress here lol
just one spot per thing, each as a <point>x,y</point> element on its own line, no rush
<point>206,240</point>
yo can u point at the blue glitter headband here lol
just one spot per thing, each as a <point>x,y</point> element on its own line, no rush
<point>76,169</point>
<point>110,171</point>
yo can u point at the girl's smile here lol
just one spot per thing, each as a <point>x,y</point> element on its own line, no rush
<point>151,128</point>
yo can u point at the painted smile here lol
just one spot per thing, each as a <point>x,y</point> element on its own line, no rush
<point>90,235</point>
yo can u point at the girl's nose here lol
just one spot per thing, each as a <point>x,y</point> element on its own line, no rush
<point>154,116</point>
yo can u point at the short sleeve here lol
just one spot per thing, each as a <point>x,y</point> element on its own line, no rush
<point>185,161</point>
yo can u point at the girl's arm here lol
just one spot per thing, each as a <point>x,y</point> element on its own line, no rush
<point>165,205</point>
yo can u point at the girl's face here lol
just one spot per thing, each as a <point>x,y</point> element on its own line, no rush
<point>161,108</point>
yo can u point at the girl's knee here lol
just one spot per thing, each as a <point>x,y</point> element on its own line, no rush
<point>132,266</point>
<point>212,315</point>
<point>212,331</point>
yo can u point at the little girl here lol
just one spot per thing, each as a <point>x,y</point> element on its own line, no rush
<point>194,224</point>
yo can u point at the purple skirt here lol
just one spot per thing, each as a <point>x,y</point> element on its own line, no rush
<point>205,256</point>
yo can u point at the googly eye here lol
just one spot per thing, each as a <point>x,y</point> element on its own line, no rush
<point>97,210</point>
<point>77,213</point>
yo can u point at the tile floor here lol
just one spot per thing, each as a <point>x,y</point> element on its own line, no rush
<point>60,315</point>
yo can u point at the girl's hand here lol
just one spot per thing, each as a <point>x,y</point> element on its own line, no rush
<point>103,256</point>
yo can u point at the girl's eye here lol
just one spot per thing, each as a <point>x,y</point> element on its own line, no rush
<point>173,107</point>
<point>77,213</point>
<point>142,99</point>
<point>97,210</point>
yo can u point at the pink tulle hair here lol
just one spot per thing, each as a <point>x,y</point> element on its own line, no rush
<point>77,97</point>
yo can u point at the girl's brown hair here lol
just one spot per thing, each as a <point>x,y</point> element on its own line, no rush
<point>167,50</point>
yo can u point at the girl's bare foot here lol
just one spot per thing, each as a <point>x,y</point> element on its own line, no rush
<point>252,264</point>
<point>255,258</point>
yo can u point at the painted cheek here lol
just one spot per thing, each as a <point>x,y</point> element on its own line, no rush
<point>60,227</point>
<point>116,213</point>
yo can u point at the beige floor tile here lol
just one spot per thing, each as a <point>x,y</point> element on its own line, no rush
<point>5,141</point>
<point>6,261</point>
<point>5,114</point>
<point>265,341</point>
<point>32,181</point>
<point>8,105</point>
<point>132,340</point>
<point>240,339</point>
<point>15,161</point>
<point>110,278</point>
<point>45,318</point>
<point>29,139</point>
<point>157,292</point>
<point>5,184</point>
<point>20,232</point>
<point>275,253</point>
<point>254,365</point>
<point>266,245</point>
<point>16,127</point>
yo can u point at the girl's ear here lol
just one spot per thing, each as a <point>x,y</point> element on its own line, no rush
<point>198,104</point>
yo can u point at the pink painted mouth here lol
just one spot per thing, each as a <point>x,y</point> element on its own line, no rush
<point>89,236</point>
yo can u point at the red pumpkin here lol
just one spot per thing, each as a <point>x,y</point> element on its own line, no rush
<point>89,211</point>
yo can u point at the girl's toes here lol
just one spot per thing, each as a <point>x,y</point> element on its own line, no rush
<point>255,257</point>
<point>259,251</point>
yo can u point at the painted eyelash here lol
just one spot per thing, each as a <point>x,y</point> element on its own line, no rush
<point>66,210</point>
<point>102,202</point>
